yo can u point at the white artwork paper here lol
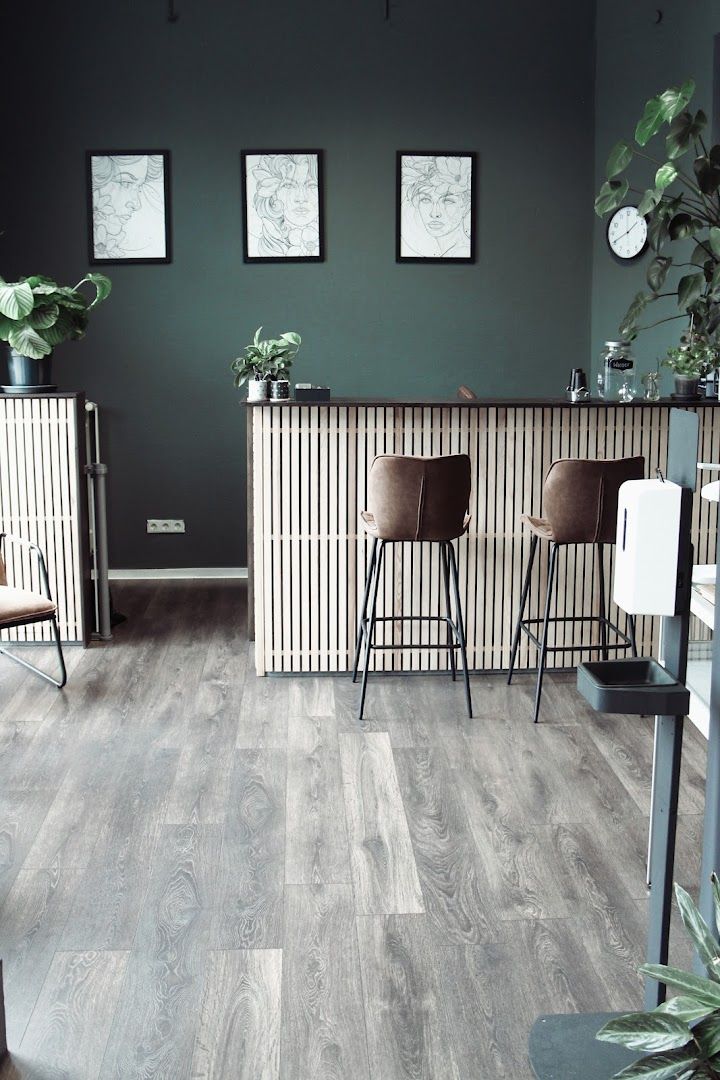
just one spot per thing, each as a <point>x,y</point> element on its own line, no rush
<point>282,195</point>
<point>435,204</point>
<point>128,206</point>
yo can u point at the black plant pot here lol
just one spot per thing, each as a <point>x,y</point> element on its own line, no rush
<point>24,371</point>
<point>686,387</point>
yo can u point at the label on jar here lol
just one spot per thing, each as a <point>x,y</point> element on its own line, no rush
<point>619,363</point>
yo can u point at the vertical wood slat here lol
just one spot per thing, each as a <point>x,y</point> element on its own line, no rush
<point>40,500</point>
<point>310,477</point>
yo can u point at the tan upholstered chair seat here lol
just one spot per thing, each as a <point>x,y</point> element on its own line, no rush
<point>17,605</point>
<point>539,526</point>
<point>370,525</point>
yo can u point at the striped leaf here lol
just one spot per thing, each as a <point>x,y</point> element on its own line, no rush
<point>697,928</point>
<point>703,990</point>
<point>675,1065</point>
<point>16,300</point>
<point>649,1031</point>
<point>28,342</point>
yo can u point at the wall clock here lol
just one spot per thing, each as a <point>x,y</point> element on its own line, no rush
<point>627,233</point>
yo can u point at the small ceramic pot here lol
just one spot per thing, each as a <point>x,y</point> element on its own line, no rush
<point>258,390</point>
<point>686,386</point>
<point>279,390</point>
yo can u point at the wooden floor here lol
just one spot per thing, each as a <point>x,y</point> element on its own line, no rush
<point>205,874</point>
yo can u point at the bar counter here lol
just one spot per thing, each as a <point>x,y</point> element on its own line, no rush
<point>307,554</point>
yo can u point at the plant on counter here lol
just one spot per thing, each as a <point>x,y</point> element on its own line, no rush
<point>681,1037</point>
<point>270,359</point>
<point>36,313</point>
<point>682,204</point>
<point>693,358</point>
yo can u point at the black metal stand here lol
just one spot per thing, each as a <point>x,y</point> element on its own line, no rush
<point>565,1048</point>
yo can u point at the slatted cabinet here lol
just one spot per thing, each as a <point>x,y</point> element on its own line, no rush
<point>43,498</point>
<point>309,467</point>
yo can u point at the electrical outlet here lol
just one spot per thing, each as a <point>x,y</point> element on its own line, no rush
<point>165,525</point>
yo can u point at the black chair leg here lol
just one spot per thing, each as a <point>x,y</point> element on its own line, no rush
<point>631,634</point>
<point>543,647</point>
<point>603,604</point>
<point>459,624</point>
<point>448,611</point>
<point>31,667</point>
<point>363,610</point>
<point>523,602</point>
<point>370,628</point>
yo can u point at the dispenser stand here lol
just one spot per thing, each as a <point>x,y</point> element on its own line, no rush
<point>563,1047</point>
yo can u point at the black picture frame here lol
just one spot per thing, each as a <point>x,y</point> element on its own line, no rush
<point>99,235</point>
<point>434,174</point>
<point>251,241</point>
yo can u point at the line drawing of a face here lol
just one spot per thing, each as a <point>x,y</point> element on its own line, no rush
<point>436,206</point>
<point>123,185</point>
<point>283,205</point>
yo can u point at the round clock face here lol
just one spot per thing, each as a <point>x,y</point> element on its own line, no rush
<point>627,233</point>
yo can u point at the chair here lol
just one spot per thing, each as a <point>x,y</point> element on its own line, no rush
<point>580,498</point>
<point>415,500</point>
<point>21,607</point>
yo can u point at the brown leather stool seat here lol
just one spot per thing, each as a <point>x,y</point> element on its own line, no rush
<point>580,498</point>
<point>414,500</point>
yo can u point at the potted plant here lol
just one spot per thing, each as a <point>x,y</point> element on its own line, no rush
<point>693,359</point>
<point>681,1037</point>
<point>36,314</point>
<point>682,209</point>
<point>266,363</point>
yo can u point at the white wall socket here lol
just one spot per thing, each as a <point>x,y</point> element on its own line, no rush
<point>165,525</point>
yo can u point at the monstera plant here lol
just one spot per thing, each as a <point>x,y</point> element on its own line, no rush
<point>681,1038</point>
<point>682,207</point>
<point>36,313</point>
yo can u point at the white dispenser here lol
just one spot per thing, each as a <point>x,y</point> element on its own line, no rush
<point>646,553</point>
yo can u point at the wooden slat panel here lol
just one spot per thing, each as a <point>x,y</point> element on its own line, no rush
<point>311,467</point>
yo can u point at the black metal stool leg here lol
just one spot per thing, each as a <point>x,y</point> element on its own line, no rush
<point>543,647</point>
<point>603,605</point>
<point>631,634</point>
<point>448,610</point>
<point>523,602</point>
<point>363,610</point>
<point>370,630</point>
<point>459,625</point>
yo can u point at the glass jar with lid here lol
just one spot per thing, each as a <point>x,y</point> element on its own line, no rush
<point>617,378</point>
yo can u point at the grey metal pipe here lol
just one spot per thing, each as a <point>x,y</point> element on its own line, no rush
<point>99,473</point>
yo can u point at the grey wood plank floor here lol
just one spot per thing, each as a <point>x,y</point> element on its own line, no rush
<point>206,874</point>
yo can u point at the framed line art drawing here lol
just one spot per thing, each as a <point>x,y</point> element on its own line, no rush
<point>128,195</point>
<point>435,206</point>
<point>282,203</point>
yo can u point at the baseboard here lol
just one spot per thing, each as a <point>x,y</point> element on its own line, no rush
<point>179,573</point>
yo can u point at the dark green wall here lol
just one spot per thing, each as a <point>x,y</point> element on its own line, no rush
<point>513,81</point>
<point>635,59</point>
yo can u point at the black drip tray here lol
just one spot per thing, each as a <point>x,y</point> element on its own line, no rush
<point>637,686</point>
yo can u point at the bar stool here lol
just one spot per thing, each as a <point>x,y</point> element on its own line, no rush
<point>414,500</point>
<point>580,499</point>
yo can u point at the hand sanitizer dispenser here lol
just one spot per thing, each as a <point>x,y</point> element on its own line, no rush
<point>646,552</point>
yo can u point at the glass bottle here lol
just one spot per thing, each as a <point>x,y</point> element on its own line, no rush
<point>617,380</point>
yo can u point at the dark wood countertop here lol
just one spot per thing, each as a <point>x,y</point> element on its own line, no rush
<point>464,403</point>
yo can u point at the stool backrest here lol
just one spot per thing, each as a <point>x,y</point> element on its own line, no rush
<point>416,498</point>
<point>580,497</point>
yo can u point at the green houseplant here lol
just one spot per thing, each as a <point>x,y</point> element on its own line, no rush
<point>691,360</point>
<point>681,1037</point>
<point>36,314</point>
<point>682,208</point>
<point>264,362</point>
